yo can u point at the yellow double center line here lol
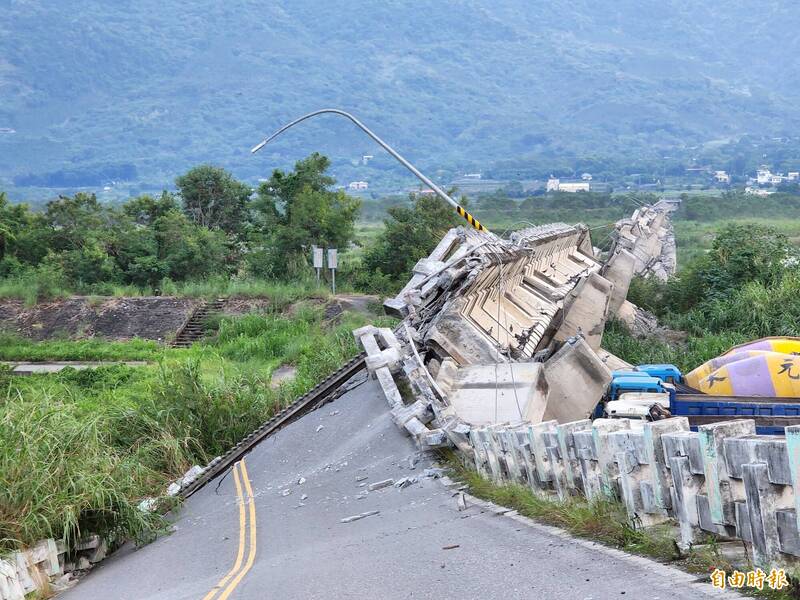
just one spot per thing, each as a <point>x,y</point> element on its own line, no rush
<point>247,522</point>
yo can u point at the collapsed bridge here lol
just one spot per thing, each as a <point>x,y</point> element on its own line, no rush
<point>510,330</point>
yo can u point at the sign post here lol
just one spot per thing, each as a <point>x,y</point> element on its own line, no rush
<point>332,264</point>
<point>316,255</point>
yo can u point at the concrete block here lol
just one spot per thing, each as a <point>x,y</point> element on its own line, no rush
<point>787,531</point>
<point>434,438</point>
<point>569,460</point>
<point>10,586</point>
<point>658,476</point>
<point>718,483</point>
<point>495,393</point>
<point>45,555</point>
<point>684,443</point>
<point>25,573</point>
<point>761,507</point>
<point>509,444</point>
<point>95,555</point>
<point>793,457</point>
<point>390,391</point>
<point>524,452</point>
<point>479,453</point>
<point>88,542</point>
<point>576,380</point>
<point>619,271</point>
<point>606,458</point>
<point>685,487</point>
<point>585,311</point>
<point>401,414</point>
<point>539,450</point>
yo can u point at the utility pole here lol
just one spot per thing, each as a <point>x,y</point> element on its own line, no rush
<point>437,190</point>
<point>316,256</point>
<point>332,264</point>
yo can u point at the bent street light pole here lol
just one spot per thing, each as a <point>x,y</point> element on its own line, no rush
<point>439,192</point>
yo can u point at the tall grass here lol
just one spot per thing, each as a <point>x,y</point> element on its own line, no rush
<point>79,450</point>
<point>14,347</point>
<point>686,356</point>
<point>280,292</point>
<point>754,310</point>
<point>68,470</point>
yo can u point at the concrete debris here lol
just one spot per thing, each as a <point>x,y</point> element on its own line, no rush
<point>380,484</point>
<point>639,321</point>
<point>647,237</point>
<point>304,497</point>
<point>434,472</point>
<point>191,475</point>
<point>361,496</point>
<point>319,428</point>
<point>99,553</point>
<point>502,331</point>
<point>88,543</point>
<point>286,492</point>
<point>360,516</point>
<point>188,478</point>
<point>43,569</point>
<point>148,505</point>
<point>405,482</point>
<point>83,564</point>
<point>301,480</point>
<point>361,477</point>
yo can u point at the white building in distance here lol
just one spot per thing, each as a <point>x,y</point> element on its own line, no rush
<point>722,177</point>
<point>357,186</point>
<point>556,185</point>
<point>754,191</point>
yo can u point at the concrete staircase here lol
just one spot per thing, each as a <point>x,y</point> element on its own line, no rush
<point>194,328</point>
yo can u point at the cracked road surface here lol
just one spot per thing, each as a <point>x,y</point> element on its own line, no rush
<point>272,528</point>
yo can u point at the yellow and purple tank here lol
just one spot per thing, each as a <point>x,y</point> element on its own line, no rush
<point>749,372</point>
<point>782,345</point>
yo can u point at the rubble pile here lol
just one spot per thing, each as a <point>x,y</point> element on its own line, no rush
<point>504,331</point>
<point>47,568</point>
<point>649,238</point>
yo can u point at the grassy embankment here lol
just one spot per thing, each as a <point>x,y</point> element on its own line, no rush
<point>80,449</point>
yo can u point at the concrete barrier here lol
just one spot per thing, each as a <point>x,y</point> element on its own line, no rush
<point>736,484</point>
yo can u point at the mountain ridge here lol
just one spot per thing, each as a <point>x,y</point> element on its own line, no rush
<point>165,85</point>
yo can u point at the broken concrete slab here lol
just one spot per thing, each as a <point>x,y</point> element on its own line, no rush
<point>360,516</point>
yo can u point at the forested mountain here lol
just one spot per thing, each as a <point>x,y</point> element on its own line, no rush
<point>143,89</point>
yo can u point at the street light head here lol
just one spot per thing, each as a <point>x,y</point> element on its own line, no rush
<point>258,147</point>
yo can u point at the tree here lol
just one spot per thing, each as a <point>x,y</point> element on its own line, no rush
<point>144,210</point>
<point>740,254</point>
<point>213,198</point>
<point>410,234</point>
<point>73,221</point>
<point>293,211</point>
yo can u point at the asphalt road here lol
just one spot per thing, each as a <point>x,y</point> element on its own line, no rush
<point>417,546</point>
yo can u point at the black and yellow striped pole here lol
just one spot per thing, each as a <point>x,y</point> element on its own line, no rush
<point>470,219</point>
<point>436,189</point>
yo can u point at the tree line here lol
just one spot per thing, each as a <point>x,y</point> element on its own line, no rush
<point>212,225</point>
